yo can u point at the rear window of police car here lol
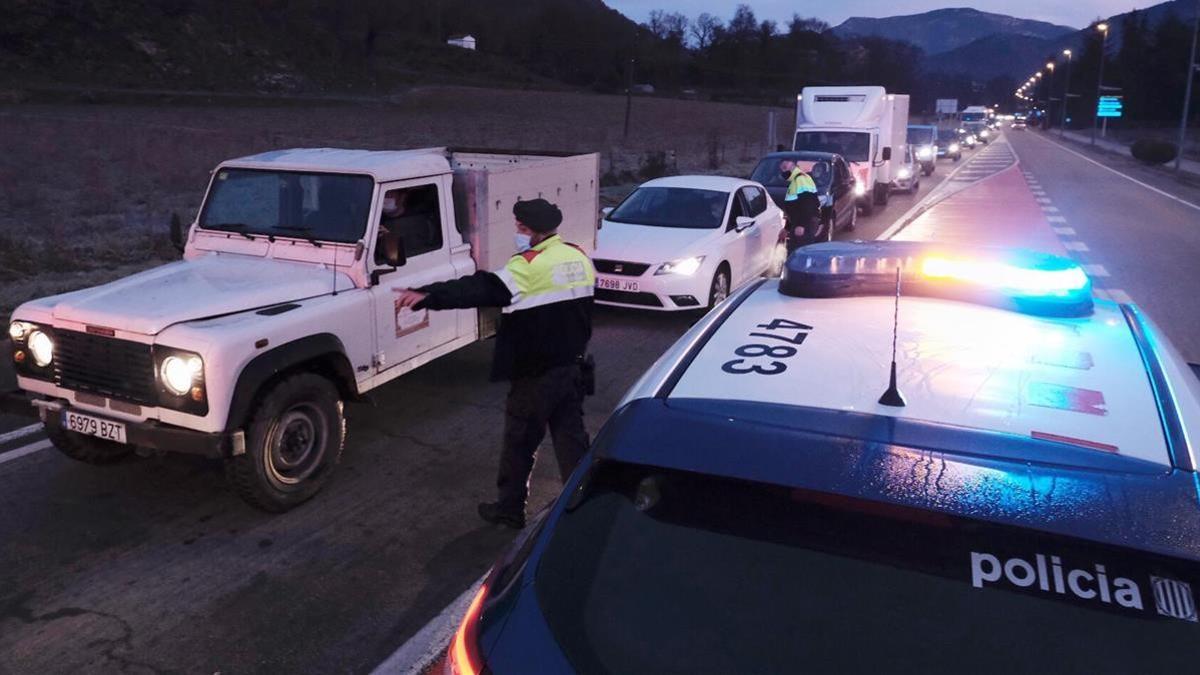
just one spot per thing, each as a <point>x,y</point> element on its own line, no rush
<point>659,570</point>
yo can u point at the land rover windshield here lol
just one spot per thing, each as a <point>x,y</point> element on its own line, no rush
<point>657,570</point>
<point>852,145</point>
<point>314,206</point>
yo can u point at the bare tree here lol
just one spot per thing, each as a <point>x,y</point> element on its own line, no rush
<point>800,24</point>
<point>703,29</point>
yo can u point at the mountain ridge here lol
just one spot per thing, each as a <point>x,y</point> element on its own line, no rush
<point>943,30</point>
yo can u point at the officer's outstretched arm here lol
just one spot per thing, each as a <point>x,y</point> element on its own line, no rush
<point>481,289</point>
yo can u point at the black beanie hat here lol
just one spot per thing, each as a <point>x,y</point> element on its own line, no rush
<point>538,215</point>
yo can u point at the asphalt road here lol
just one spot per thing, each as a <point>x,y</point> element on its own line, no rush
<point>1143,243</point>
<point>154,566</point>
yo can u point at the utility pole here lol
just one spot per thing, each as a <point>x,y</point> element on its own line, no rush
<point>1103,28</point>
<point>629,86</point>
<point>1187,96</point>
<point>1062,130</point>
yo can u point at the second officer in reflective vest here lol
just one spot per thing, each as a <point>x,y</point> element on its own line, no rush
<point>541,348</point>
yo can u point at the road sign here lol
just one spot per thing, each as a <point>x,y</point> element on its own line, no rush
<point>1109,106</point>
<point>947,106</point>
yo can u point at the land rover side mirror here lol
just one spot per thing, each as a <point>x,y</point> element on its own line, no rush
<point>887,153</point>
<point>393,249</point>
<point>177,233</point>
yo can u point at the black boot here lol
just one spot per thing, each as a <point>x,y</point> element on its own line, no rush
<point>494,513</point>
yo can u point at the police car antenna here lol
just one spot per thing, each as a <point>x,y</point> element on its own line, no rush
<point>892,397</point>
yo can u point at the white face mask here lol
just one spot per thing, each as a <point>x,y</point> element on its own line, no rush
<point>523,241</point>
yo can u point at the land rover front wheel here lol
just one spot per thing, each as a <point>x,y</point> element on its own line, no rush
<point>293,442</point>
<point>88,449</point>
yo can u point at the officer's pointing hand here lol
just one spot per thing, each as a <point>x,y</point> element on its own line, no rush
<point>408,297</point>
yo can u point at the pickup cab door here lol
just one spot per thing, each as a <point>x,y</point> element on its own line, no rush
<point>422,211</point>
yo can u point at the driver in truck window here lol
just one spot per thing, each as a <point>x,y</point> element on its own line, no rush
<point>413,214</point>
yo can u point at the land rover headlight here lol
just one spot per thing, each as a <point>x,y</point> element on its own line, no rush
<point>179,372</point>
<point>687,266</point>
<point>41,347</point>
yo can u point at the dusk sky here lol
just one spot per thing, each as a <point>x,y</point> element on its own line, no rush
<point>1075,13</point>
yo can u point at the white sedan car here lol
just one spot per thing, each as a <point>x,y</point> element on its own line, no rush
<point>685,242</point>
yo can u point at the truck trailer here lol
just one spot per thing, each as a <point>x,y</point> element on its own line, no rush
<point>865,125</point>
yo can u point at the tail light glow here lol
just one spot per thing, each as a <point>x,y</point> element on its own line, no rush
<point>463,657</point>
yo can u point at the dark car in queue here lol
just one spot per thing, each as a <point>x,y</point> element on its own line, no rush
<point>835,188</point>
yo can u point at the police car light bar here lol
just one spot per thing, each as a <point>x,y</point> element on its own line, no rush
<point>1019,279</point>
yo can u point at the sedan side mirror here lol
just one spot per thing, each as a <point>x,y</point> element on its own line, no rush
<point>743,223</point>
<point>607,210</point>
<point>393,249</point>
<point>887,153</point>
<point>177,237</point>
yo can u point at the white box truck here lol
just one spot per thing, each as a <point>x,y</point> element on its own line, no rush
<point>284,307</point>
<point>865,125</point>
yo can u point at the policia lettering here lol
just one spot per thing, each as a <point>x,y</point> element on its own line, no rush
<point>541,348</point>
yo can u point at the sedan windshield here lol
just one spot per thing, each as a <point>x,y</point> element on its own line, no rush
<point>658,570</point>
<point>672,207</point>
<point>315,206</point>
<point>770,172</point>
<point>854,146</point>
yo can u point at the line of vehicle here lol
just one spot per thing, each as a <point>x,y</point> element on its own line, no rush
<point>1123,175</point>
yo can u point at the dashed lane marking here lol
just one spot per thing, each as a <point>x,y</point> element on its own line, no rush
<point>1050,209</point>
<point>1096,271</point>
<point>25,450</point>
<point>1055,219</point>
<point>1119,296</point>
<point>1042,200</point>
<point>1076,246</point>
<point>1064,231</point>
<point>19,433</point>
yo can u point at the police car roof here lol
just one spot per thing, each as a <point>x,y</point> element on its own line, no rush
<point>382,165</point>
<point>1079,383</point>
<point>720,183</point>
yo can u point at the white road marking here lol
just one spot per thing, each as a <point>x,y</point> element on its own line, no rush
<point>1122,175</point>
<point>1055,219</point>
<point>1101,293</point>
<point>1095,271</point>
<point>1119,296</point>
<point>1042,200</point>
<point>26,450</point>
<point>18,433</point>
<point>426,646</point>
<point>1050,209</point>
<point>1064,231</point>
<point>1075,246</point>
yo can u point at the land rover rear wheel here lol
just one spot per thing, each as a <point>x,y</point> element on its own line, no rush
<point>86,449</point>
<point>293,443</point>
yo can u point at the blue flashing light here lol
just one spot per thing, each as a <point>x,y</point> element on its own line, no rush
<point>1019,279</point>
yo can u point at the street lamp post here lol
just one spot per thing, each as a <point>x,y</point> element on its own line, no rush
<point>1049,95</point>
<point>1187,96</point>
<point>1103,28</point>
<point>1066,93</point>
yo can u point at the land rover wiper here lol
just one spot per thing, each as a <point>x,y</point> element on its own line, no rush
<point>306,233</point>
<point>240,228</point>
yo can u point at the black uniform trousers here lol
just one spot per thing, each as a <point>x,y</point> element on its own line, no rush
<point>553,399</point>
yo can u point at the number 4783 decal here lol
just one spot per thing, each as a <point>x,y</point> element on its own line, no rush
<point>763,358</point>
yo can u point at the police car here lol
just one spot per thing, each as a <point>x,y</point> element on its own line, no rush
<point>1017,493</point>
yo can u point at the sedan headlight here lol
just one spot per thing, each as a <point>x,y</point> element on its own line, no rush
<point>955,147</point>
<point>925,153</point>
<point>42,348</point>
<point>686,267</point>
<point>180,372</point>
<point>859,188</point>
<point>905,173</point>
<point>985,133</point>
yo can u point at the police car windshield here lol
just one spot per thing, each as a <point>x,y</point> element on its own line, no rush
<point>852,145</point>
<point>672,207</point>
<point>328,207</point>
<point>667,571</point>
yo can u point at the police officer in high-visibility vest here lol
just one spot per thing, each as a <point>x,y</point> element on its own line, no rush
<point>541,348</point>
<point>800,204</point>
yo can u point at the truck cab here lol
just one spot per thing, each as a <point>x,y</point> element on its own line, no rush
<point>865,125</point>
<point>283,308</point>
<point>975,120</point>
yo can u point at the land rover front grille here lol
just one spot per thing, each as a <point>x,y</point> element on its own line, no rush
<point>118,369</point>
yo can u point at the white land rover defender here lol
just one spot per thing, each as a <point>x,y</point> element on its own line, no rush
<point>283,307</point>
